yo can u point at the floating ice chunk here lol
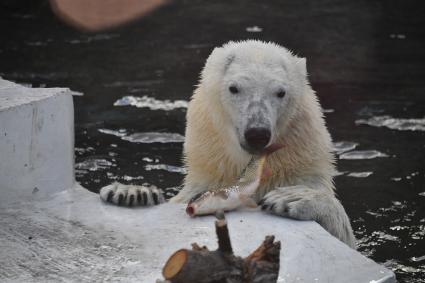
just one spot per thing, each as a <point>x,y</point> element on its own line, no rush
<point>130,178</point>
<point>166,167</point>
<point>151,103</point>
<point>417,259</point>
<point>254,29</point>
<point>328,110</point>
<point>343,146</point>
<point>380,236</point>
<point>422,194</point>
<point>360,174</point>
<point>93,164</point>
<point>396,179</point>
<point>399,228</point>
<point>145,137</point>
<point>394,123</point>
<point>152,137</point>
<point>362,154</point>
<point>82,150</point>
<point>119,133</point>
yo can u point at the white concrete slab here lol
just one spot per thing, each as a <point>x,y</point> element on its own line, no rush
<point>36,140</point>
<point>74,237</point>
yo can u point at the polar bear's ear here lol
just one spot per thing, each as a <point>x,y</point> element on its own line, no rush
<point>220,59</point>
<point>229,59</point>
<point>301,65</point>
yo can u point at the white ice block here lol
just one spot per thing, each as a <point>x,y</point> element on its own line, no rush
<point>36,141</point>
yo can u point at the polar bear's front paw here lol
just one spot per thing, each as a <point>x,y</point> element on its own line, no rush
<point>303,203</point>
<point>298,202</point>
<point>130,195</point>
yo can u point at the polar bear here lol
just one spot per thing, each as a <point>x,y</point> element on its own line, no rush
<point>252,94</point>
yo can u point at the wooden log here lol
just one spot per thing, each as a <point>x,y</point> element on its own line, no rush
<point>224,244</point>
<point>262,265</point>
<point>197,266</point>
<point>201,265</point>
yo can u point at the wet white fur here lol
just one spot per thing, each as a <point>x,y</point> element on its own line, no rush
<point>301,186</point>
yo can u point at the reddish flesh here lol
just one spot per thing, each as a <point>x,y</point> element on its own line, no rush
<point>190,210</point>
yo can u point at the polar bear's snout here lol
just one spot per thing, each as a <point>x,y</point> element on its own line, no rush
<point>257,138</point>
<point>257,133</point>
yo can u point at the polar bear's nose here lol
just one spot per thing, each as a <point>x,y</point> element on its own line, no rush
<point>257,138</point>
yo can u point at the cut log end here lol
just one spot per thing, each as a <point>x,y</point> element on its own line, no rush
<point>203,266</point>
<point>174,264</point>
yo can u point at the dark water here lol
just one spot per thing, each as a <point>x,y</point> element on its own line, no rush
<point>366,62</point>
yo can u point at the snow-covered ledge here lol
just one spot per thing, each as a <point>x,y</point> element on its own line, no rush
<point>36,141</point>
<point>71,236</point>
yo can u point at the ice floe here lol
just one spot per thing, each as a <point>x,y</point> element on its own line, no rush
<point>93,165</point>
<point>118,133</point>
<point>362,154</point>
<point>145,137</point>
<point>343,146</point>
<point>399,124</point>
<point>152,137</point>
<point>360,174</point>
<point>151,103</point>
<point>254,29</point>
<point>166,167</point>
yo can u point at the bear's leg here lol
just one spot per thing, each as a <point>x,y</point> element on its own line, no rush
<point>130,195</point>
<point>304,203</point>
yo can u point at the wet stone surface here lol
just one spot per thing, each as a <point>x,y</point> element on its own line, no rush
<point>365,60</point>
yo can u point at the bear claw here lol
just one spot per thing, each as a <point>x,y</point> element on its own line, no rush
<point>129,195</point>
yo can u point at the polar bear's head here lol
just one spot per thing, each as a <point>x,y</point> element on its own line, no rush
<point>257,86</point>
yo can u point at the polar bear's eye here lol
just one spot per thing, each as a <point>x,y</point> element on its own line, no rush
<point>281,94</point>
<point>233,89</point>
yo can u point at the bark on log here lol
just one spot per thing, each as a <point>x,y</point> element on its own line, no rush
<point>200,265</point>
